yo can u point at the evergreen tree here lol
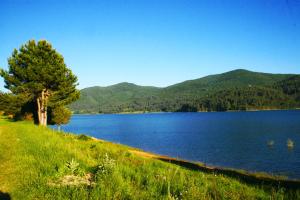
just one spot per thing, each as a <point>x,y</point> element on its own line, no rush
<point>60,115</point>
<point>11,104</point>
<point>38,72</point>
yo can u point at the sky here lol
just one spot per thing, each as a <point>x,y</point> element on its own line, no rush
<point>157,42</point>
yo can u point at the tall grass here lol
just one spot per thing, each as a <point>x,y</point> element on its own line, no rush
<point>39,163</point>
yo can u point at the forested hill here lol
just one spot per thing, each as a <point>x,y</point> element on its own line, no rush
<point>234,90</point>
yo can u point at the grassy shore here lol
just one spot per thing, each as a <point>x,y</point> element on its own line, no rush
<point>39,163</point>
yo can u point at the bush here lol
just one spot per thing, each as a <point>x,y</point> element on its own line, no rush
<point>83,137</point>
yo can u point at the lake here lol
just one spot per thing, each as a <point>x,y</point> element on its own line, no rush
<point>228,139</point>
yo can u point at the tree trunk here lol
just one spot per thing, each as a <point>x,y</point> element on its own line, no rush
<point>58,128</point>
<point>42,101</point>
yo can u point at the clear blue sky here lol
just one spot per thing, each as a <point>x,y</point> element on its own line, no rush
<point>157,42</point>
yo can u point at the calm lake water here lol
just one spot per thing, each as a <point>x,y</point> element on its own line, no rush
<point>227,139</point>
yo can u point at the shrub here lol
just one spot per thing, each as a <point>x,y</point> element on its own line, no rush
<point>105,167</point>
<point>83,137</point>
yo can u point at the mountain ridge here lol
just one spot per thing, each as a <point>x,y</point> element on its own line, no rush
<point>242,90</point>
<point>207,76</point>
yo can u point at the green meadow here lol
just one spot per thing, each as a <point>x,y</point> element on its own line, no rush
<point>40,163</point>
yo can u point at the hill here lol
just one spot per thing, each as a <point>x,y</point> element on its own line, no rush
<point>235,90</point>
<point>39,163</point>
<point>112,98</point>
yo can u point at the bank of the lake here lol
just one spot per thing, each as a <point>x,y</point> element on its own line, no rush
<point>149,112</point>
<point>39,163</point>
<point>237,140</point>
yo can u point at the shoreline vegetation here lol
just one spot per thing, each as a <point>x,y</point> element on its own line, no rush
<point>247,176</point>
<point>150,112</point>
<point>41,163</point>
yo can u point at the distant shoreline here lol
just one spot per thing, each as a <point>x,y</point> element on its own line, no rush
<point>142,112</point>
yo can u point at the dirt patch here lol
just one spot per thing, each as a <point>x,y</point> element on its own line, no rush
<point>144,154</point>
<point>72,180</point>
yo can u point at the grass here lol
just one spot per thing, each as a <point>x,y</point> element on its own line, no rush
<point>39,163</point>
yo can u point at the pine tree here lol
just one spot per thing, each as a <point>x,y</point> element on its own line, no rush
<point>60,115</point>
<point>38,72</point>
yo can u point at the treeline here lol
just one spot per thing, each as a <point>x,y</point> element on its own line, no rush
<point>284,94</point>
<point>250,98</point>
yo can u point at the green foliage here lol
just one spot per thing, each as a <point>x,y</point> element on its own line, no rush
<point>105,167</point>
<point>291,86</point>
<point>72,167</point>
<point>60,115</point>
<point>235,90</point>
<point>36,71</point>
<point>83,137</point>
<point>39,163</point>
<point>11,104</point>
<point>114,98</point>
<point>36,66</point>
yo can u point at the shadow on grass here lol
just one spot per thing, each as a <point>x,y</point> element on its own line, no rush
<point>249,178</point>
<point>4,196</point>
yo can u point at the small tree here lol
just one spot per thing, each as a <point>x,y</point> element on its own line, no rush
<point>60,115</point>
<point>39,73</point>
<point>11,104</point>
